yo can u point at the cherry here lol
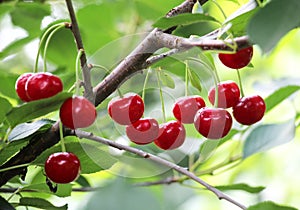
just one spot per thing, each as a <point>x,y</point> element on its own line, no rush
<point>237,60</point>
<point>62,167</point>
<point>228,94</point>
<point>185,108</point>
<point>171,135</point>
<point>213,123</point>
<point>20,86</point>
<point>127,109</point>
<point>249,110</point>
<point>43,85</point>
<point>143,131</point>
<point>77,112</point>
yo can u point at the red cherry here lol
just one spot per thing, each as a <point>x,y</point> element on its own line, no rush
<point>20,86</point>
<point>143,131</point>
<point>43,85</point>
<point>249,110</point>
<point>213,123</point>
<point>171,135</point>
<point>237,60</point>
<point>228,94</point>
<point>62,167</point>
<point>77,112</point>
<point>185,108</point>
<point>126,110</point>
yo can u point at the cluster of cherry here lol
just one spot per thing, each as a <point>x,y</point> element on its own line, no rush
<point>211,122</point>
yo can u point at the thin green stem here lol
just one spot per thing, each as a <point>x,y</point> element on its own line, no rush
<point>77,71</point>
<point>161,96</point>
<point>62,139</point>
<point>186,78</point>
<point>145,85</point>
<point>47,44</point>
<point>16,192</point>
<point>14,167</point>
<point>40,45</point>
<point>240,83</point>
<point>220,8</point>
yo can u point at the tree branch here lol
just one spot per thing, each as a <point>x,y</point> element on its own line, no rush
<point>161,161</point>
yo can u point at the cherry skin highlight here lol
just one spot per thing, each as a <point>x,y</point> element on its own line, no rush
<point>20,86</point>
<point>77,112</point>
<point>143,131</point>
<point>213,123</point>
<point>43,85</point>
<point>171,135</point>
<point>249,110</point>
<point>237,60</point>
<point>228,94</point>
<point>127,109</point>
<point>62,167</point>
<point>185,108</point>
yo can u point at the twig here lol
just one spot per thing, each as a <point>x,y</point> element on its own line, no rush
<point>154,158</point>
<point>88,93</point>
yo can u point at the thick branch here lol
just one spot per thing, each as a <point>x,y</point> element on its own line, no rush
<point>83,60</point>
<point>161,161</point>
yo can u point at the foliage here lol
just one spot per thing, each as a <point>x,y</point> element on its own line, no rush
<point>110,31</point>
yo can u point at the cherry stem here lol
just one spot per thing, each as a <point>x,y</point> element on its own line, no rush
<point>145,85</point>
<point>41,42</point>
<point>14,167</point>
<point>186,78</point>
<point>220,8</point>
<point>62,139</point>
<point>80,52</point>
<point>240,83</point>
<point>161,96</point>
<point>47,43</point>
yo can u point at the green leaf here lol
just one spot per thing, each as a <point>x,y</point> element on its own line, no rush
<point>63,190</point>
<point>182,19</point>
<point>11,149</point>
<point>241,186</point>
<point>7,84</point>
<point>24,130</point>
<point>265,137</point>
<point>272,22</point>
<point>5,205</point>
<point>16,46</point>
<point>83,182</point>
<point>40,203</point>
<point>92,158</point>
<point>279,95</point>
<point>5,8</point>
<point>268,205</point>
<point>166,79</point>
<point>30,15</point>
<point>195,80</point>
<point>5,108</point>
<point>35,109</point>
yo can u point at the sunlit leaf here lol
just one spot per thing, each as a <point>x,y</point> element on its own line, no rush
<point>166,79</point>
<point>63,190</point>
<point>5,108</point>
<point>242,187</point>
<point>265,137</point>
<point>40,203</point>
<point>195,80</point>
<point>268,205</point>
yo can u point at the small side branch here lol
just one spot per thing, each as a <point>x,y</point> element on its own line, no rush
<point>161,161</point>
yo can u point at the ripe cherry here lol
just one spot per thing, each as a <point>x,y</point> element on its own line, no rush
<point>20,86</point>
<point>77,112</point>
<point>43,85</point>
<point>213,123</point>
<point>228,94</point>
<point>249,110</point>
<point>127,109</point>
<point>143,131</point>
<point>237,60</point>
<point>185,108</point>
<point>171,135</point>
<point>62,167</point>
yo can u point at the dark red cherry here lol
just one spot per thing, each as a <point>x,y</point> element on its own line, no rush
<point>62,167</point>
<point>77,112</point>
<point>20,86</point>
<point>185,108</point>
<point>249,110</point>
<point>127,109</point>
<point>143,131</point>
<point>213,123</point>
<point>43,85</point>
<point>228,94</point>
<point>237,60</point>
<point>171,135</point>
